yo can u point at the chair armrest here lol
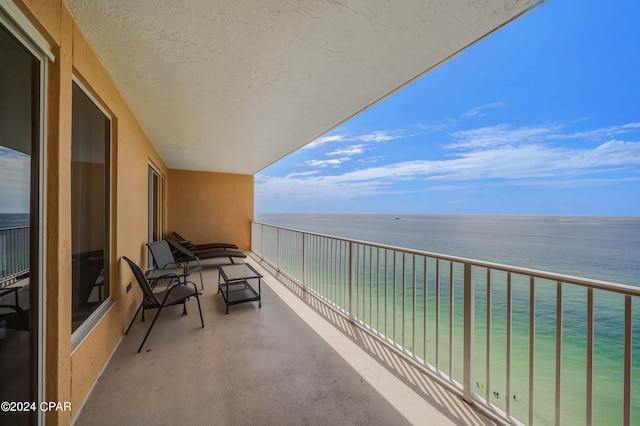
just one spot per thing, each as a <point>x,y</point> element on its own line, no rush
<point>164,277</point>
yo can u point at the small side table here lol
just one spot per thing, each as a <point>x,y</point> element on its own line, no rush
<point>236,288</point>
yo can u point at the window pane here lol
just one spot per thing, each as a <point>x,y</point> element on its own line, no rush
<point>89,204</point>
<point>155,205</point>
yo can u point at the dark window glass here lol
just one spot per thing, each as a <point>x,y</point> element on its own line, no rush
<point>89,206</point>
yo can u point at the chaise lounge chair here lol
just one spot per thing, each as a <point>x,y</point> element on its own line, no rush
<point>182,253</point>
<point>200,247</point>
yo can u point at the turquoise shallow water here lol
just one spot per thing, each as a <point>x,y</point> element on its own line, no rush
<point>597,247</point>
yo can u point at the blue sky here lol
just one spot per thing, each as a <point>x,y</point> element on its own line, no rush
<point>541,117</point>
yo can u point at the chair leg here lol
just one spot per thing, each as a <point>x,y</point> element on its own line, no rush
<point>149,330</point>
<point>201,282</point>
<point>134,318</point>
<point>200,309</point>
<point>184,308</point>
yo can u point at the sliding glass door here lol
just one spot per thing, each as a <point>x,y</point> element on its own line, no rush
<point>21,76</point>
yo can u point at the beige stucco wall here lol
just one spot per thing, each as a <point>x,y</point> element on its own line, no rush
<point>69,377</point>
<point>210,207</point>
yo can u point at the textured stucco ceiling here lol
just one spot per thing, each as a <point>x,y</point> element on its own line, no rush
<point>233,85</point>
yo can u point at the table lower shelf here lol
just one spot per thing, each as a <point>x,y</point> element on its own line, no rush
<point>238,292</point>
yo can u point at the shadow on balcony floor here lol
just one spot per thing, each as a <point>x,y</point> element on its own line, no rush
<point>281,364</point>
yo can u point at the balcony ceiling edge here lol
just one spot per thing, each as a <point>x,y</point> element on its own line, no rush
<point>233,86</point>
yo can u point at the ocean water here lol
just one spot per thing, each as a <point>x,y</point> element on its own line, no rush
<point>597,247</point>
<point>12,220</point>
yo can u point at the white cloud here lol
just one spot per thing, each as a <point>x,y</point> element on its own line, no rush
<point>506,135</point>
<point>371,160</point>
<point>323,140</point>
<point>480,111</point>
<point>373,137</point>
<point>351,150</point>
<point>532,165</point>
<point>607,132</point>
<point>308,173</point>
<point>380,136</point>
<point>500,155</point>
<point>324,163</point>
<point>500,135</point>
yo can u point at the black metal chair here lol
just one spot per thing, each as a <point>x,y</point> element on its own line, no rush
<point>177,294</point>
<point>13,315</point>
<point>163,259</point>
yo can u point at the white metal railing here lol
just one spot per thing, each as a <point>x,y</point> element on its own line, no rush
<point>523,343</point>
<point>14,253</point>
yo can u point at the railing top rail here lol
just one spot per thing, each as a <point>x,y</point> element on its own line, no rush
<point>15,227</point>
<point>569,279</point>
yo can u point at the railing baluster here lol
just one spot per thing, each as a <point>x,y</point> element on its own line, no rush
<point>325,268</point>
<point>378,289</point>
<point>334,263</point>
<point>318,267</point>
<point>426,299</point>
<point>305,266</point>
<point>395,295</point>
<point>12,236</point>
<point>328,264</point>
<point>314,263</point>
<point>357,278</point>
<point>488,360</point>
<point>342,275</point>
<point>438,314</point>
<point>558,350</point>
<point>589,357</point>
<point>509,330</point>
<point>386,301</point>
<point>469,297</point>
<point>404,299</point>
<point>451,313</point>
<point>364,283</point>
<point>351,279</point>
<point>320,285</point>
<point>370,285</point>
<point>532,340</point>
<point>627,360</point>
<point>413,337</point>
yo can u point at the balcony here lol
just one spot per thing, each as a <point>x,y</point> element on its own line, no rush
<point>296,360</point>
<point>333,344</point>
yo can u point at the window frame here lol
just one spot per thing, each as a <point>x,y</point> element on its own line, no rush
<point>88,325</point>
<point>155,199</point>
<point>16,23</point>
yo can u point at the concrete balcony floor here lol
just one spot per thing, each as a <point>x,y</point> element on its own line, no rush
<point>293,361</point>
